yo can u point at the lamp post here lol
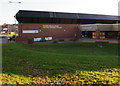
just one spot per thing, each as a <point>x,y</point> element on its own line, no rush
<point>15,12</point>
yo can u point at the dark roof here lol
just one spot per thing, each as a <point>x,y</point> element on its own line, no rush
<point>24,16</point>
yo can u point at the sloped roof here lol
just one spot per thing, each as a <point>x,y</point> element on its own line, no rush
<point>25,16</point>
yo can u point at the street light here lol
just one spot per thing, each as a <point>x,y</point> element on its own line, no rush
<point>15,12</point>
<point>14,2</point>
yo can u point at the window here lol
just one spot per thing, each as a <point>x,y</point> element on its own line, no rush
<point>48,38</point>
<point>37,39</point>
<point>30,31</point>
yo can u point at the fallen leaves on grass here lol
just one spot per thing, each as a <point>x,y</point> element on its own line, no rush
<point>107,76</point>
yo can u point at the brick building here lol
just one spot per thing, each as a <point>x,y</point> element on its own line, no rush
<point>42,26</point>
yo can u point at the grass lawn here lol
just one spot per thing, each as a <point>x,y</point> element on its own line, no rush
<point>57,58</point>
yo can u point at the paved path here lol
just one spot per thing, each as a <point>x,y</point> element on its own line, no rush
<point>4,40</point>
<point>0,41</point>
<point>99,40</point>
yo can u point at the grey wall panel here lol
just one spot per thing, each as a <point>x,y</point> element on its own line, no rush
<point>63,18</point>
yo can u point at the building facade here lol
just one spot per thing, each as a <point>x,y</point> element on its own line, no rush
<point>42,26</point>
<point>48,32</point>
<point>100,31</point>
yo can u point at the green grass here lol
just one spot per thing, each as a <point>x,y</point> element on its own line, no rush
<point>57,58</point>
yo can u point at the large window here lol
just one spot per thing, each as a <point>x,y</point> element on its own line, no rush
<point>111,34</point>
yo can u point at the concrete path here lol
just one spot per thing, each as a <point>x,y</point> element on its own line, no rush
<point>5,40</point>
<point>99,40</point>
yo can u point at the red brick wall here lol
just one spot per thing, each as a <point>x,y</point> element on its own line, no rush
<point>62,31</point>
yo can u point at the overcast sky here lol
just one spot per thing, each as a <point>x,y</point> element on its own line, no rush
<point>8,10</point>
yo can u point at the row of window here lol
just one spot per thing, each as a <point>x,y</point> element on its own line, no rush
<point>34,31</point>
<point>63,21</point>
<point>40,39</point>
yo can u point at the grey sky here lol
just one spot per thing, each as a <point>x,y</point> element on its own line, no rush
<point>8,10</point>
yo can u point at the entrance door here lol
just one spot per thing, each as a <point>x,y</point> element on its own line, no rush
<point>101,35</point>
